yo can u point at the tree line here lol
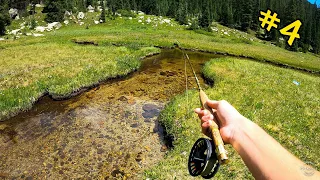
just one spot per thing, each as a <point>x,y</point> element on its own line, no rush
<point>239,14</point>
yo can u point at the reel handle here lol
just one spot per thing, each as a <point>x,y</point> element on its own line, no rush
<point>214,131</point>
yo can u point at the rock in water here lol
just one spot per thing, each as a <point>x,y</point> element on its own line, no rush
<point>151,111</point>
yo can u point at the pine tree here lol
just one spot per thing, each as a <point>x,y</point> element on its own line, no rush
<point>54,10</point>
<point>103,12</point>
<point>204,20</point>
<point>246,21</point>
<point>4,17</point>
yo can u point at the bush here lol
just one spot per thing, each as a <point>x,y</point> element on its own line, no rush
<point>4,21</point>
<point>33,23</point>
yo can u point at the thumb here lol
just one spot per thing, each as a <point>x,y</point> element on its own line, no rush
<point>213,104</point>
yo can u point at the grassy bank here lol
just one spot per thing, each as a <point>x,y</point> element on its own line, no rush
<point>28,72</point>
<point>266,94</point>
<point>53,63</point>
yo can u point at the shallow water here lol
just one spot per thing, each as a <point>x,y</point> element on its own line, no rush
<point>108,132</point>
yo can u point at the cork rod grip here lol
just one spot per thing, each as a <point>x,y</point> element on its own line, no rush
<point>214,131</point>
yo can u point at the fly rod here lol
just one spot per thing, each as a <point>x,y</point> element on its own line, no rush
<point>206,156</point>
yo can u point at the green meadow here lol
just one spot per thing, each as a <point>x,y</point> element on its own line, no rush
<point>54,64</point>
<point>265,94</point>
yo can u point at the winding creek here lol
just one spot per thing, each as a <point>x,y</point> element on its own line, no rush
<point>108,132</point>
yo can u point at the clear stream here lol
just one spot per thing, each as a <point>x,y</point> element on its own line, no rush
<point>108,132</point>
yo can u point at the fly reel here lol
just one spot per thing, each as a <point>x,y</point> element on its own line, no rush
<point>203,159</point>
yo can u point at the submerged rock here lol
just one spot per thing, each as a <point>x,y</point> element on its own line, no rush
<point>151,111</point>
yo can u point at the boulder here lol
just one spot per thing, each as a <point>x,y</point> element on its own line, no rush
<point>15,32</point>
<point>1,39</point>
<point>80,15</point>
<point>90,9</point>
<point>54,25</point>
<point>13,13</point>
<point>67,14</point>
<point>40,29</point>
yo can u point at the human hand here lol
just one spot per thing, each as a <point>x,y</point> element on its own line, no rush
<point>227,118</point>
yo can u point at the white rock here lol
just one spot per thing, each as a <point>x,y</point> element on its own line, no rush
<point>226,33</point>
<point>54,25</point>
<point>140,21</point>
<point>37,35</point>
<point>15,32</point>
<point>80,15</point>
<point>67,13</point>
<point>101,21</point>
<point>167,21</point>
<point>140,13</point>
<point>40,29</point>
<point>13,12</point>
<point>215,29</point>
<point>17,17</point>
<point>28,34</point>
<point>90,9</point>
<point>148,20</point>
<point>66,22</point>
<point>96,22</point>
<point>81,23</point>
<point>130,18</point>
<point>1,39</point>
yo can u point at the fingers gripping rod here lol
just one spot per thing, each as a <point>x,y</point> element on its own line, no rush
<point>214,129</point>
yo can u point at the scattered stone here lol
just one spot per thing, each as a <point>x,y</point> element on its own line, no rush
<point>139,157</point>
<point>15,32</point>
<point>67,13</point>
<point>141,13</point>
<point>96,22</point>
<point>13,13</point>
<point>100,151</point>
<point>123,98</point>
<point>90,9</point>
<point>81,15</point>
<point>135,125</point>
<point>150,107</point>
<point>1,39</point>
<point>54,25</point>
<point>66,22</point>
<point>117,172</point>
<point>40,29</point>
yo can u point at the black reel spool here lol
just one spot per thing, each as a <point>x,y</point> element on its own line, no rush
<point>203,159</point>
